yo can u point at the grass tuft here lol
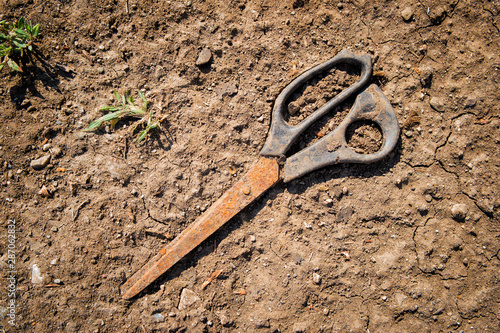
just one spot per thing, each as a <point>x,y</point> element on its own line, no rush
<point>127,108</point>
<point>16,39</point>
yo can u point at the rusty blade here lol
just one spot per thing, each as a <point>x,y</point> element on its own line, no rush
<point>263,175</point>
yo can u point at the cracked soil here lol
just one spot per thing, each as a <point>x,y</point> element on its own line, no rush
<point>408,244</point>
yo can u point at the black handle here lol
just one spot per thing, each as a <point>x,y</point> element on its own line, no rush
<point>372,105</point>
<point>282,135</point>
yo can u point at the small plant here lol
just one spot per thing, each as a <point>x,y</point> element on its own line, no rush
<point>127,108</point>
<point>15,39</point>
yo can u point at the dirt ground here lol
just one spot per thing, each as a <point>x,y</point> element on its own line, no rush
<point>408,244</point>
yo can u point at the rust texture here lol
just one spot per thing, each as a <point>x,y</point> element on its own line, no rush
<point>263,175</point>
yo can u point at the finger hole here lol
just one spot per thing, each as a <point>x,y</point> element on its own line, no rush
<point>364,137</point>
<point>318,91</point>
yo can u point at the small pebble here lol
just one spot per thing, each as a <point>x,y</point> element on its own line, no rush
<point>158,317</point>
<point>54,262</point>
<point>316,278</point>
<point>426,74</point>
<point>40,163</point>
<point>54,229</point>
<point>252,238</point>
<point>56,151</point>
<point>345,190</point>
<point>459,212</point>
<point>225,321</point>
<point>470,102</point>
<point>44,192</point>
<point>204,57</point>
<point>437,104</point>
<point>46,147</point>
<point>293,108</point>
<point>384,298</point>
<point>57,281</point>
<point>36,277</point>
<point>188,297</point>
<point>407,14</point>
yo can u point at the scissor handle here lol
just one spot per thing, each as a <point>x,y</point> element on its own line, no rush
<point>282,135</point>
<point>371,105</point>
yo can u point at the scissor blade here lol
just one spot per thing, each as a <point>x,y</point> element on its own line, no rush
<point>255,182</point>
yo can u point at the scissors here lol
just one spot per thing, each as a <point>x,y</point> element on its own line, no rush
<point>370,105</point>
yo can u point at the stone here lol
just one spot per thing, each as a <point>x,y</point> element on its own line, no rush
<point>225,320</point>
<point>407,13</point>
<point>261,323</point>
<point>459,212</point>
<point>36,276</point>
<point>437,14</point>
<point>293,107</point>
<point>57,281</point>
<point>470,102</point>
<point>344,214</point>
<point>300,327</point>
<point>44,192</point>
<point>56,152</point>
<point>316,278</point>
<point>40,163</point>
<point>229,89</point>
<point>437,104</point>
<point>426,74</point>
<point>188,298</point>
<point>204,57</point>
<point>158,318</point>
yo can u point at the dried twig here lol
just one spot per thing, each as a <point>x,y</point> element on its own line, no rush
<point>211,278</point>
<point>77,210</point>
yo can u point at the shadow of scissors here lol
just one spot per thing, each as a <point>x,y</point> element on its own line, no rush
<point>370,105</point>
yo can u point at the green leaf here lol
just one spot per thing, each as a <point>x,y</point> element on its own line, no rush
<point>93,125</point>
<point>142,135</point>
<point>21,32</point>
<point>109,108</point>
<point>144,101</point>
<point>30,47</point>
<point>130,98</point>
<point>35,30</point>
<point>19,44</point>
<point>111,116</point>
<point>12,64</point>
<point>1,66</point>
<point>117,96</point>
<point>20,22</point>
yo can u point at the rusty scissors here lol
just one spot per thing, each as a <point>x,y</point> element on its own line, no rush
<point>370,105</point>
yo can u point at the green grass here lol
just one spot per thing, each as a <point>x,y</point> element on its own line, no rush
<point>127,108</point>
<point>16,39</point>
